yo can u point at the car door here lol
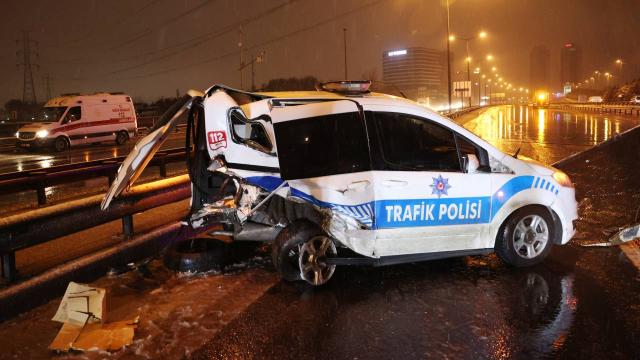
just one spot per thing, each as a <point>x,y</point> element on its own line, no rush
<point>323,153</point>
<point>74,125</point>
<point>145,148</point>
<point>425,201</point>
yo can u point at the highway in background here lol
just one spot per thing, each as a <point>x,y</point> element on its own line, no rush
<point>544,134</point>
<point>12,160</point>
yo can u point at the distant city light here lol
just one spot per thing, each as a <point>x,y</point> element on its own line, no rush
<point>397,52</point>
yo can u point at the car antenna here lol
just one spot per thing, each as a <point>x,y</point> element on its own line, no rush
<point>517,152</point>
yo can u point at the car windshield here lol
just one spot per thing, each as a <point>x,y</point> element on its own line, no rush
<point>49,114</point>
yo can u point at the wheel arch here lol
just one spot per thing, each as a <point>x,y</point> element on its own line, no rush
<point>64,136</point>
<point>557,223</point>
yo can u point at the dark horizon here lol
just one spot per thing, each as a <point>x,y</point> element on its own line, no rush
<point>154,48</point>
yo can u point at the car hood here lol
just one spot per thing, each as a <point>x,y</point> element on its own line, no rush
<point>537,166</point>
<point>34,127</point>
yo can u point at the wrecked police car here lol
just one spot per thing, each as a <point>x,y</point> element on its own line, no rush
<point>344,176</point>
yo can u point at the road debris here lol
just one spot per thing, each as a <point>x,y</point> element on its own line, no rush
<point>83,314</point>
<point>623,235</point>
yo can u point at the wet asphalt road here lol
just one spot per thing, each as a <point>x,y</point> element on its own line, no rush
<point>545,134</point>
<point>574,305</point>
<point>22,160</point>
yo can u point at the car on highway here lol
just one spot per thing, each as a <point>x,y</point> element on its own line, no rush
<point>75,119</point>
<point>595,99</point>
<point>344,176</point>
<point>635,99</point>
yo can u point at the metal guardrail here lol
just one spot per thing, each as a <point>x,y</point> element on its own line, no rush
<point>31,228</point>
<point>460,112</point>
<point>39,180</point>
<point>612,108</point>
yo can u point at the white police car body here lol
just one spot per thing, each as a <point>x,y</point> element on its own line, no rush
<point>382,176</point>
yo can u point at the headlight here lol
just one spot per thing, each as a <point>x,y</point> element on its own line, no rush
<point>562,179</point>
<point>18,134</point>
<point>42,133</point>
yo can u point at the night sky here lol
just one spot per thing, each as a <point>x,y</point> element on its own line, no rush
<point>151,48</point>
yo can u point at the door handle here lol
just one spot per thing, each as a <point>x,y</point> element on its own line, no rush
<point>393,183</point>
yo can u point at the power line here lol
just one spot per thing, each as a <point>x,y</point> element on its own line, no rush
<point>148,31</point>
<point>262,44</point>
<point>123,20</point>
<point>194,42</point>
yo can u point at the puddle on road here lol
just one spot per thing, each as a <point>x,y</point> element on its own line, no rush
<point>546,135</point>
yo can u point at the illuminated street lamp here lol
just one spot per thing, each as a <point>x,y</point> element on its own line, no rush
<point>619,63</point>
<point>481,35</point>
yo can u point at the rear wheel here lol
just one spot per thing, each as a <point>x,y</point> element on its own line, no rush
<point>299,252</point>
<point>526,237</point>
<point>61,144</point>
<point>121,137</point>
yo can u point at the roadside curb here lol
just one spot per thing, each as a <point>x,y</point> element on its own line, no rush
<point>51,284</point>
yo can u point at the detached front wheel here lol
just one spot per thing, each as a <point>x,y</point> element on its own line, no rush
<point>300,252</point>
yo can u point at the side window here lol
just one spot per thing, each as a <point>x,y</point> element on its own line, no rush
<point>322,146</point>
<point>467,147</point>
<point>74,114</point>
<point>414,144</point>
<point>250,133</point>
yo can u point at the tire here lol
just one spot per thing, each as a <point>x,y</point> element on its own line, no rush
<point>197,255</point>
<point>61,144</point>
<point>521,242</point>
<point>121,137</point>
<point>291,251</point>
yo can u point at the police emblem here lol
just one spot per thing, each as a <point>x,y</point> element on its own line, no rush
<point>440,186</point>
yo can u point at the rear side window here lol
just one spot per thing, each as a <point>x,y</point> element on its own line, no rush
<point>322,146</point>
<point>415,144</point>
<point>249,132</point>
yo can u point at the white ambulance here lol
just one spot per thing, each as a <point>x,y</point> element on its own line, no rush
<point>343,176</point>
<point>75,119</point>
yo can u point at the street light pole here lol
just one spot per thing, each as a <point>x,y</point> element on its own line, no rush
<point>344,37</point>
<point>468,70</point>
<point>448,56</point>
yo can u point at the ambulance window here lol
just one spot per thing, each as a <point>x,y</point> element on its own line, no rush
<point>415,144</point>
<point>322,146</point>
<point>74,114</point>
<point>251,133</point>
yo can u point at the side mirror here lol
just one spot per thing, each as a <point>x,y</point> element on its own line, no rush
<point>472,164</point>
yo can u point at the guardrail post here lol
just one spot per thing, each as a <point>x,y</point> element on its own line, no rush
<point>42,195</point>
<point>162,163</point>
<point>9,266</point>
<point>127,226</point>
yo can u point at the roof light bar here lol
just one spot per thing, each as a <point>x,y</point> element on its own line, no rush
<point>397,52</point>
<point>346,87</point>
